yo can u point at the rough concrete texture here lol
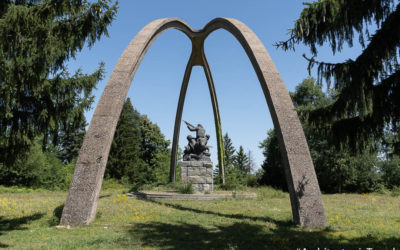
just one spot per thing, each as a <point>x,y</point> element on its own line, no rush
<point>305,196</point>
<point>199,173</point>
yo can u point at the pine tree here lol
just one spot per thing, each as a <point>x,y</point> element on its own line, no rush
<point>229,150</point>
<point>37,93</point>
<point>126,146</point>
<point>241,162</point>
<point>368,100</point>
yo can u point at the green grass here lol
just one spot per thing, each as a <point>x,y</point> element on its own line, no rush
<point>27,220</point>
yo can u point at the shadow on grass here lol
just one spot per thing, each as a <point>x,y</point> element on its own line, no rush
<point>248,235</point>
<point>231,216</point>
<point>55,219</point>
<point>7,225</point>
<point>104,196</point>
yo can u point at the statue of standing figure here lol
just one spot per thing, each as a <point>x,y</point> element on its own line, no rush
<point>197,148</point>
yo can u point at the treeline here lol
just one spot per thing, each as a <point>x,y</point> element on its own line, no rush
<point>373,167</point>
<point>139,155</point>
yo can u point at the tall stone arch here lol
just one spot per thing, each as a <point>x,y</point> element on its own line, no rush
<point>305,195</point>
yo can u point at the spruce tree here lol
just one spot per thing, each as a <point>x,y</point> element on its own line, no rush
<point>139,152</point>
<point>229,150</point>
<point>273,172</point>
<point>241,162</point>
<point>368,87</point>
<point>71,139</point>
<point>36,91</point>
<point>126,146</point>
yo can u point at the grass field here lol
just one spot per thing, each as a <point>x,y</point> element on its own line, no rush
<point>28,220</point>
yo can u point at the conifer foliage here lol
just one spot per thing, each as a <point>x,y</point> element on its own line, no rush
<point>71,139</point>
<point>37,94</point>
<point>241,162</point>
<point>229,150</point>
<point>139,152</point>
<point>368,87</point>
<point>238,165</point>
<point>125,148</point>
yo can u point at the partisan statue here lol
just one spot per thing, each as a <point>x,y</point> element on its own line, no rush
<point>197,149</point>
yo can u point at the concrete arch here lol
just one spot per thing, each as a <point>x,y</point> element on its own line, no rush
<point>305,196</point>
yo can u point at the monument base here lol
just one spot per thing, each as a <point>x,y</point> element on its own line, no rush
<point>199,173</point>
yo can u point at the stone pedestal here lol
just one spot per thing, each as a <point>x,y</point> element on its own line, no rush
<point>200,173</point>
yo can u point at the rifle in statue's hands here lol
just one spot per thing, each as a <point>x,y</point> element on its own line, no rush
<point>190,126</point>
<point>188,123</point>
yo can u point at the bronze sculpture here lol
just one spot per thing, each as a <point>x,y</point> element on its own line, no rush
<point>197,148</point>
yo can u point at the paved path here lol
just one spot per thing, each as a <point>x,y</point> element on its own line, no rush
<point>169,195</point>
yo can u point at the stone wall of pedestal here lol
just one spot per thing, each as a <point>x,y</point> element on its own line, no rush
<point>200,173</point>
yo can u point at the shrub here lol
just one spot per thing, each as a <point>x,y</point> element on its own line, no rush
<point>233,180</point>
<point>186,188</point>
<point>172,185</point>
<point>395,191</point>
<point>382,189</point>
<point>38,169</point>
<point>251,180</point>
<point>390,172</point>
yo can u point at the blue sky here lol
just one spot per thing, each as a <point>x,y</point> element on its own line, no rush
<point>156,85</point>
